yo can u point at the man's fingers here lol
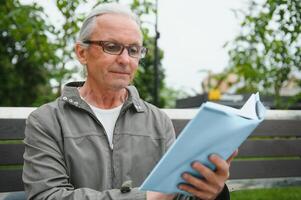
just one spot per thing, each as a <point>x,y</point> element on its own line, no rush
<point>222,167</point>
<point>212,182</point>
<point>198,183</point>
<point>207,173</point>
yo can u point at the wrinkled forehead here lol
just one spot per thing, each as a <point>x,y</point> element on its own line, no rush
<point>117,25</point>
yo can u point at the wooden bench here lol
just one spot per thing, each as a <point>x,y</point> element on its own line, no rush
<point>272,151</point>
<point>12,125</point>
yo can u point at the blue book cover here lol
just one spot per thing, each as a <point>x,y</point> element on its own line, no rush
<point>215,129</point>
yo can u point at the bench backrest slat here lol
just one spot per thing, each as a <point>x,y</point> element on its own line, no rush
<point>266,128</point>
<point>270,148</point>
<point>11,180</point>
<point>11,154</point>
<point>12,129</point>
<point>245,169</point>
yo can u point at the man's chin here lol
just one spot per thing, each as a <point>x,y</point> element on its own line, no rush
<point>120,85</point>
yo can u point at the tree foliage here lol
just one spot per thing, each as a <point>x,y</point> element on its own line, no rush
<point>26,55</point>
<point>65,37</point>
<point>35,52</point>
<point>144,80</point>
<point>267,52</point>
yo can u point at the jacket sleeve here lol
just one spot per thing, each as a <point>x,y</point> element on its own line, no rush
<point>45,174</point>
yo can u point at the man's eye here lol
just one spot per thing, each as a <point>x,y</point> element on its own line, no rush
<point>113,47</point>
<point>134,50</point>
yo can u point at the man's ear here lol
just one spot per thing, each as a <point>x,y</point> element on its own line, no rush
<point>81,53</point>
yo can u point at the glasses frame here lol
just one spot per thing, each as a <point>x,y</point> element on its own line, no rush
<point>143,50</point>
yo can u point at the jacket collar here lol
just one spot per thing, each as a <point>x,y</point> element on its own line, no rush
<point>71,95</point>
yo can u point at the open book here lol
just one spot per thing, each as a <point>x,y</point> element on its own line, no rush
<point>215,129</point>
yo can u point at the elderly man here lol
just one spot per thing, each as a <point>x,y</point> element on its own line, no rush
<point>99,134</point>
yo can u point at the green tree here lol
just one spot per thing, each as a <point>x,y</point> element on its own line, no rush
<point>144,80</point>
<point>65,38</point>
<point>267,52</point>
<point>34,52</point>
<point>26,55</point>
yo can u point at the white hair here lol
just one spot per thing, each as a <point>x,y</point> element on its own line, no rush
<point>105,8</point>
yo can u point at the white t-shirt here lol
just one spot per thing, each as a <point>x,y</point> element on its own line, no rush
<point>108,118</point>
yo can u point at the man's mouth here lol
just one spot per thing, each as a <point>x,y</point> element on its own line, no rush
<point>120,72</point>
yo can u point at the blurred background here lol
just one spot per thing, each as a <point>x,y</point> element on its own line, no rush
<point>198,51</point>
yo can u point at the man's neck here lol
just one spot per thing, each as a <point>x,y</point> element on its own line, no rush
<point>103,98</point>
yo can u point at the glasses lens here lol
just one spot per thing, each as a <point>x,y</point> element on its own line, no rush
<point>112,48</point>
<point>134,51</point>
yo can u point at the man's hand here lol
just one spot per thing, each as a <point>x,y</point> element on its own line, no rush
<point>209,187</point>
<point>158,196</point>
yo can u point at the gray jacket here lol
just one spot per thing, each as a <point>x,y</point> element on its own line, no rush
<point>67,154</point>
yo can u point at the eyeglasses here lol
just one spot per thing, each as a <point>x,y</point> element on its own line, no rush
<point>115,48</point>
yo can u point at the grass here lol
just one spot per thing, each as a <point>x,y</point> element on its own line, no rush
<point>285,193</point>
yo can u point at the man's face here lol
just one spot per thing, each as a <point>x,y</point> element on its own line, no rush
<point>108,71</point>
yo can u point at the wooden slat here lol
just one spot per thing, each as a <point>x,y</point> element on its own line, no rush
<point>271,147</point>
<point>11,154</point>
<point>245,169</point>
<point>12,128</point>
<point>279,128</point>
<point>266,128</point>
<point>11,180</point>
<point>179,124</point>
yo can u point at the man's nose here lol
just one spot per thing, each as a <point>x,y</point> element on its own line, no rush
<point>124,57</point>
